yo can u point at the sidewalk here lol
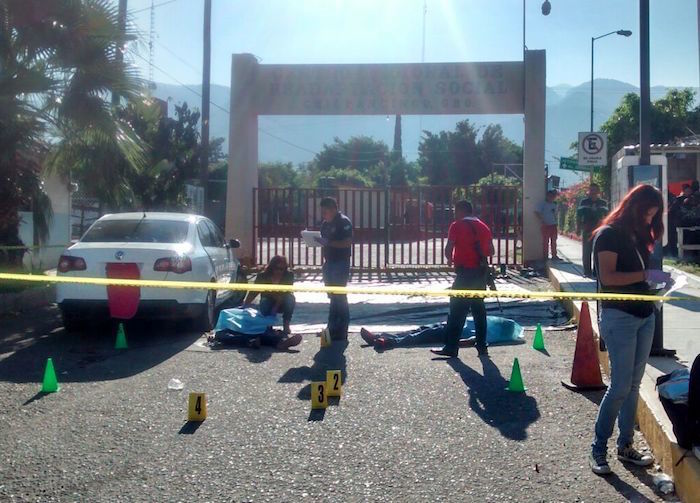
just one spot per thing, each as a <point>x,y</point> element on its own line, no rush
<point>681,318</point>
<point>681,328</point>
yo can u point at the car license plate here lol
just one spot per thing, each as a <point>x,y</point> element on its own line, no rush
<point>123,301</point>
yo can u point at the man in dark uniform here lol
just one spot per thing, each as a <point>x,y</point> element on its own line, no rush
<point>469,244</point>
<point>589,214</point>
<point>336,239</point>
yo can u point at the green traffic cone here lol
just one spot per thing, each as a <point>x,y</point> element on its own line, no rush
<point>120,343</point>
<point>538,343</point>
<point>50,383</point>
<point>516,380</point>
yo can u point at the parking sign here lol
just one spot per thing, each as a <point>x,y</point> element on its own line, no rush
<point>592,149</point>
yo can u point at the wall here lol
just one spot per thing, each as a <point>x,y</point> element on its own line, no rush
<point>59,231</point>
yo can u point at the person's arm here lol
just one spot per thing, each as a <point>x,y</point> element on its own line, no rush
<point>250,298</point>
<point>252,295</point>
<point>449,248</point>
<point>609,276</point>
<point>486,241</point>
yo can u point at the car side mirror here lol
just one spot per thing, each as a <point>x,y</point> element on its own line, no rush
<point>234,243</point>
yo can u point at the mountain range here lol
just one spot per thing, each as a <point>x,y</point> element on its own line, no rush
<point>296,139</point>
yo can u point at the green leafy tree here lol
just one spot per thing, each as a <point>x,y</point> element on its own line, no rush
<point>347,177</point>
<point>494,147</point>
<point>434,158</point>
<point>672,117</point>
<point>173,155</point>
<point>59,62</point>
<point>458,158</point>
<point>277,175</point>
<point>360,153</point>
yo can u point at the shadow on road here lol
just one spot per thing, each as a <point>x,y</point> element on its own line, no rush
<point>328,358</point>
<point>28,340</point>
<point>510,413</point>
<point>190,427</point>
<point>626,490</point>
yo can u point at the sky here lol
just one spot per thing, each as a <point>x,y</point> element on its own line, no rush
<point>390,31</point>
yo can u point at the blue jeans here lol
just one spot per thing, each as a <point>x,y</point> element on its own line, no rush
<point>628,339</point>
<point>286,308</point>
<point>428,334</point>
<point>337,273</point>
<point>467,279</point>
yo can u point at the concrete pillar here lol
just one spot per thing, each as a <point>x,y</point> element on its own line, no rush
<point>242,153</point>
<point>533,162</point>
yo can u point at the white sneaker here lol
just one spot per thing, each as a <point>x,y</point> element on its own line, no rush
<point>599,464</point>
<point>631,455</point>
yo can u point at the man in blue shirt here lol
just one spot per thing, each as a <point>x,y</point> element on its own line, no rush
<point>336,239</point>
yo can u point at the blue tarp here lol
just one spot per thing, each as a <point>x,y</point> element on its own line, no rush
<point>244,321</point>
<point>498,331</point>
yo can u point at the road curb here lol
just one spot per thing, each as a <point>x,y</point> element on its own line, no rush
<point>651,416</point>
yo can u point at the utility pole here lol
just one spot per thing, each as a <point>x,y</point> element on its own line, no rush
<point>657,256</point>
<point>119,55</point>
<point>644,86</point>
<point>206,71</point>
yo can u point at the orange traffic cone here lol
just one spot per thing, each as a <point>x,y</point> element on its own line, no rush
<point>585,373</point>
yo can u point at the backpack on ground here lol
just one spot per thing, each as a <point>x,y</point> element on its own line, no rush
<point>679,393</point>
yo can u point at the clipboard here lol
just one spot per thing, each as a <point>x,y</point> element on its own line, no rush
<point>309,237</point>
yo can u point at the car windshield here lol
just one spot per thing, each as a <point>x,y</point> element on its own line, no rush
<point>137,231</point>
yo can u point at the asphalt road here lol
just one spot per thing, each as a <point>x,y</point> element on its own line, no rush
<point>408,428</point>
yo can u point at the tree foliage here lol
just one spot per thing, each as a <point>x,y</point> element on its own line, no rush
<point>173,155</point>
<point>359,152</point>
<point>459,157</point>
<point>59,61</point>
<point>672,117</point>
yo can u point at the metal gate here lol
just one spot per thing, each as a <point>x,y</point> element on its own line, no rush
<point>394,228</point>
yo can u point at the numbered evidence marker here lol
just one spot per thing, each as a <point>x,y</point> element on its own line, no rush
<point>197,410</point>
<point>334,383</point>
<point>319,395</point>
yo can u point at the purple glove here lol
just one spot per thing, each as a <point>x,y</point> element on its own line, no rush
<point>321,241</point>
<point>657,276</point>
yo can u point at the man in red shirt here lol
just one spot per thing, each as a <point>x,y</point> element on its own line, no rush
<point>469,244</point>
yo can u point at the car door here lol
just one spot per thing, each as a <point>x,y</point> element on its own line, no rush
<point>224,254</point>
<point>206,238</point>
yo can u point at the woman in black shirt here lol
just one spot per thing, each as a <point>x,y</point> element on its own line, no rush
<point>276,273</point>
<point>621,249</point>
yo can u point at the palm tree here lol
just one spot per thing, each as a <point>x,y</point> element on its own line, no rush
<point>59,65</point>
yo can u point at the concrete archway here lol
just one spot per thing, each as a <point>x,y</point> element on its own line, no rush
<point>515,87</point>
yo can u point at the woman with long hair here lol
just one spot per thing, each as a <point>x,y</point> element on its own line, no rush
<point>622,249</point>
<point>276,273</point>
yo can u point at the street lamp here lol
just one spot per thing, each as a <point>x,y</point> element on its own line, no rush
<point>624,33</point>
<point>546,9</point>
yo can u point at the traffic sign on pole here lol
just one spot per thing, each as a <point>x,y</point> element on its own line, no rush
<point>592,149</point>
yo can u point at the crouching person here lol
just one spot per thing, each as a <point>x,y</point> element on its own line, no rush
<point>271,303</point>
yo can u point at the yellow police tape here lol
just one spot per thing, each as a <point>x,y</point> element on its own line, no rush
<point>245,287</point>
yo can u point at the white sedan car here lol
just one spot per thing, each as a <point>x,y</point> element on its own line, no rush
<point>149,246</point>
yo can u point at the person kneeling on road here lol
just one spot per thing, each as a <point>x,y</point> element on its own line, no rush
<point>276,273</point>
<point>498,331</point>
